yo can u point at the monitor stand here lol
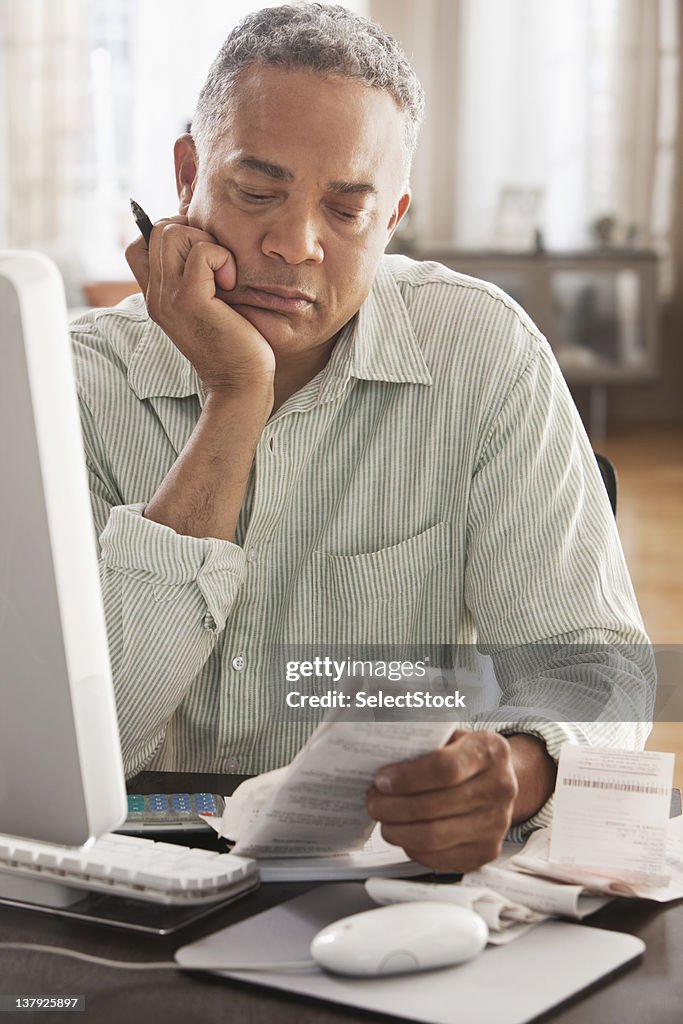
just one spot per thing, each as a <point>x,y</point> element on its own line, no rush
<point>50,897</point>
<point>37,890</point>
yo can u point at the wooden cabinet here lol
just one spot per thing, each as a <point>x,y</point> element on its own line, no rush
<point>598,310</point>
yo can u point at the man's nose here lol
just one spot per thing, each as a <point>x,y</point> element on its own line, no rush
<point>294,235</point>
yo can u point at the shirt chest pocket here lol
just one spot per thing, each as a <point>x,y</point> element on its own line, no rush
<point>386,596</point>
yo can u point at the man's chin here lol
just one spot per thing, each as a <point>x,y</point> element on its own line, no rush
<point>276,327</point>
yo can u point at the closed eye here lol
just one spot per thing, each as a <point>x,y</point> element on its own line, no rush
<point>254,197</point>
<point>349,215</point>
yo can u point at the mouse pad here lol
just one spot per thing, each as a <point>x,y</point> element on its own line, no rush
<point>536,972</point>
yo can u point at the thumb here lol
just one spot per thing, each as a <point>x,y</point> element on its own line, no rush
<point>226,276</point>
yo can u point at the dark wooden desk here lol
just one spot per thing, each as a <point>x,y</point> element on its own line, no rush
<point>651,990</point>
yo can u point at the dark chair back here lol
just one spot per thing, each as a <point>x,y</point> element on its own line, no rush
<point>609,478</point>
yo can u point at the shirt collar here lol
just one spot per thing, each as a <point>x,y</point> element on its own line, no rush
<point>158,369</point>
<point>378,343</point>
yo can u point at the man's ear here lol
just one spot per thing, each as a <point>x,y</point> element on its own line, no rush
<point>186,163</point>
<point>398,214</point>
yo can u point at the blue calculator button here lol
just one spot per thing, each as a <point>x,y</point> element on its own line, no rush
<point>182,802</point>
<point>158,803</point>
<point>205,803</point>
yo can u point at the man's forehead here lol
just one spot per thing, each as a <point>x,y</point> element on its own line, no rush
<point>265,98</point>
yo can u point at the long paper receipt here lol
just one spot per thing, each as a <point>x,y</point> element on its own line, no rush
<point>611,812</point>
<point>316,805</point>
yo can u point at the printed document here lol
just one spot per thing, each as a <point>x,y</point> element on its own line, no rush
<point>611,812</point>
<point>316,805</point>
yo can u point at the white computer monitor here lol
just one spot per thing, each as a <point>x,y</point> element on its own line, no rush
<point>61,774</point>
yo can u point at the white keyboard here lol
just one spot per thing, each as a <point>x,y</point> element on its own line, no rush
<point>121,865</point>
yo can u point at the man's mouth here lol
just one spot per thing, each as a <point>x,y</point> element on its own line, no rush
<point>274,297</point>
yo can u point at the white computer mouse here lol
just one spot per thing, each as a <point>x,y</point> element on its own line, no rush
<point>399,938</point>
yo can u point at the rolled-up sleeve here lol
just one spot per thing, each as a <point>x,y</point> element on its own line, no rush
<point>547,581</point>
<point>166,600</point>
<point>141,549</point>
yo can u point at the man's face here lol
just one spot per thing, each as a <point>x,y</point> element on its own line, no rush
<point>305,188</point>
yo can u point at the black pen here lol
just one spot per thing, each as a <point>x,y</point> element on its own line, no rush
<point>142,220</point>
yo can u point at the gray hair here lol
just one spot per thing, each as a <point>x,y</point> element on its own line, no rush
<point>326,39</point>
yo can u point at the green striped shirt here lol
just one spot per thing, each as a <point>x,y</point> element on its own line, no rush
<point>433,484</point>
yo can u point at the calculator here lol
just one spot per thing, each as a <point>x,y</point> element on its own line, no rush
<point>171,812</point>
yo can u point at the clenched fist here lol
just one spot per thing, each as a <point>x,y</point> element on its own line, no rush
<point>452,808</point>
<point>181,273</point>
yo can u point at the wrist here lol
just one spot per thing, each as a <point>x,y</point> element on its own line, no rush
<point>536,774</point>
<point>254,397</point>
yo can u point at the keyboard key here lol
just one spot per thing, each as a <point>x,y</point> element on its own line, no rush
<point>134,867</point>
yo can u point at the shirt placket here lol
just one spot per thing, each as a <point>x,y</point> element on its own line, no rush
<point>247,635</point>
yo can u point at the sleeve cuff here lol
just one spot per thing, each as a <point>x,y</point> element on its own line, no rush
<point>553,734</point>
<point>156,554</point>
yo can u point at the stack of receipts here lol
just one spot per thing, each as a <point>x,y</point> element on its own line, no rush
<point>611,830</point>
<point>534,860</point>
<point>523,888</point>
<point>611,834</point>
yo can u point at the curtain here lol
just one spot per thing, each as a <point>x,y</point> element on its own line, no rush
<point>93,94</point>
<point>569,108</point>
<point>43,118</point>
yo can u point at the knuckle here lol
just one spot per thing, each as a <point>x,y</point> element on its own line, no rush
<point>510,786</point>
<point>430,834</point>
<point>391,835</point>
<point>491,849</point>
<point>434,861</point>
<point>498,747</point>
<point>501,828</point>
<point>467,862</point>
<point>446,764</point>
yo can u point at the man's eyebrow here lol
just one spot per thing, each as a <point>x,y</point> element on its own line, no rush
<point>252,163</point>
<point>352,188</point>
<point>279,173</point>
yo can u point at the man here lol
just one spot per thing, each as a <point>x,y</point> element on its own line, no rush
<point>296,439</point>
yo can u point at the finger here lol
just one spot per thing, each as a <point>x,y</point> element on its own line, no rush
<point>452,801</point>
<point>208,266</point>
<point>426,836</point>
<point>492,822</point>
<point>179,273</point>
<point>137,258</point>
<point>226,276</point>
<point>421,840</point>
<point>463,858</point>
<point>137,253</point>
<point>466,755</point>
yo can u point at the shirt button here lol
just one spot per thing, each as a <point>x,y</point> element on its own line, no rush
<point>239,662</point>
<point>232,765</point>
<point>252,555</point>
